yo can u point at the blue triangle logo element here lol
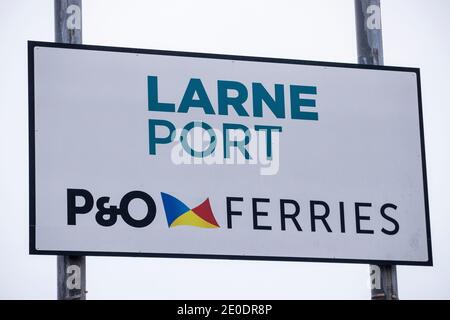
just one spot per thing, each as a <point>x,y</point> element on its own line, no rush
<point>173,207</point>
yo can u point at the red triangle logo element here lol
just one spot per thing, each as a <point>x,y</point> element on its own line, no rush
<point>204,211</point>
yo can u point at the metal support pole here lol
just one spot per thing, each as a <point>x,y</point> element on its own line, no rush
<point>71,279</point>
<point>68,21</point>
<point>370,51</point>
<point>71,270</point>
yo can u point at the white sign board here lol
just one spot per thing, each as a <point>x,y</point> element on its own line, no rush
<point>170,154</point>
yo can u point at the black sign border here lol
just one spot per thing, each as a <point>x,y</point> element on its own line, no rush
<point>31,131</point>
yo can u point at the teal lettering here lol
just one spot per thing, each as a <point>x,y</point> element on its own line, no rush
<point>194,87</point>
<point>212,139</point>
<point>240,145</point>
<point>261,95</point>
<point>153,104</point>
<point>236,102</point>
<point>268,130</point>
<point>153,140</point>
<point>297,102</point>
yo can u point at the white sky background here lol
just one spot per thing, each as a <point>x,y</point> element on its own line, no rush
<point>416,34</point>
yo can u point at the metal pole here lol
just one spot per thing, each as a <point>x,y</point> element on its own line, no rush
<point>71,279</point>
<point>370,51</point>
<point>71,270</point>
<point>68,21</point>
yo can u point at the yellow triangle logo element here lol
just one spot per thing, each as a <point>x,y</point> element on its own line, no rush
<point>191,219</point>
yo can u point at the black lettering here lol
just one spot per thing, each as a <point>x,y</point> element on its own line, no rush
<point>359,217</point>
<point>342,216</point>
<point>390,219</point>
<point>72,209</point>
<point>106,216</point>
<point>257,214</point>
<point>291,216</point>
<point>151,209</point>
<point>230,212</point>
<point>322,217</point>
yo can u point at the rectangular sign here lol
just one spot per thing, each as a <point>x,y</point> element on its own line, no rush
<point>170,154</point>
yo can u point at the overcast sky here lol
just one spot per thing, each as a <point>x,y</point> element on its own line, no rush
<point>416,34</point>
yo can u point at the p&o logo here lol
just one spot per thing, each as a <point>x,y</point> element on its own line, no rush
<point>177,213</point>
